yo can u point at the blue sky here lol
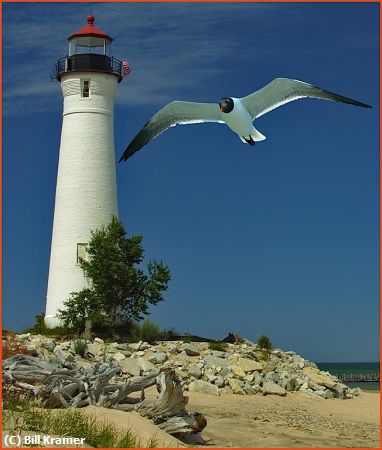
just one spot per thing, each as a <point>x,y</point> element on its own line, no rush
<point>281,239</point>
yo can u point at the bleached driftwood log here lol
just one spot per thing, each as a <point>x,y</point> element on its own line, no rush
<point>168,410</point>
<point>63,387</point>
<point>78,387</point>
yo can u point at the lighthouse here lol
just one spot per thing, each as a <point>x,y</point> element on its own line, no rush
<point>86,191</point>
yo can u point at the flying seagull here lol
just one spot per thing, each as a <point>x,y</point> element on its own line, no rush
<point>237,113</point>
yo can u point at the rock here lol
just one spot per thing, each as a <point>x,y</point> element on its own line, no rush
<point>98,340</point>
<point>218,353</point>
<point>342,391</point>
<point>248,389</point>
<point>324,393</point>
<point>238,372</point>
<point>219,382</point>
<point>319,378</point>
<point>258,378</point>
<point>171,347</point>
<point>140,353</point>
<point>210,377</point>
<point>83,363</point>
<point>32,350</point>
<point>204,387</point>
<point>158,358</point>
<point>97,350</point>
<point>119,356</point>
<point>194,371</point>
<point>181,374</point>
<point>226,374</point>
<point>249,365</point>
<point>215,361</point>
<point>357,391</point>
<point>249,377</point>
<point>273,389</point>
<point>298,361</point>
<point>190,349</point>
<point>146,365</point>
<point>130,366</point>
<point>292,384</point>
<point>136,345</point>
<point>235,386</point>
<point>63,354</point>
<point>315,386</point>
<point>23,337</point>
<point>145,346</point>
<point>48,344</point>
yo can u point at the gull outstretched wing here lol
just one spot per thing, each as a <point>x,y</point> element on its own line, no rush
<point>174,113</point>
<point>284,90</point>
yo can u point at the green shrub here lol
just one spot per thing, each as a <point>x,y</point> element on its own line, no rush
<point>218,346</point>
<point>40,328</point>
<point>79,347</point>
<point>148,331</point>
<point>264,342</point>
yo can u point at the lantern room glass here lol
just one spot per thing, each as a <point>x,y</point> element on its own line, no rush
<point>90,44</point>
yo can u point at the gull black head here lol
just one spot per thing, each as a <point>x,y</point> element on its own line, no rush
<point>226,104</point>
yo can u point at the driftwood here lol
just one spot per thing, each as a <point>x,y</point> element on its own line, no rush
<point>64,387</point>
<point>168,410</point>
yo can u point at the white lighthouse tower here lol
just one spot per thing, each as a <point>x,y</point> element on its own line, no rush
<point>86,192</point>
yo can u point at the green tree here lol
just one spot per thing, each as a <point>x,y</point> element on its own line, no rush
<point>119,288</point>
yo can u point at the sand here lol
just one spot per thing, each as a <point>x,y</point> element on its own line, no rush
<point>275,422</point>
<point>292,421</point>
<point>267,422</point>
<point>140,427</point>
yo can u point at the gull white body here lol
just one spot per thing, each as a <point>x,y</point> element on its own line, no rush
<point>86,192</point>
<point>240,121</point>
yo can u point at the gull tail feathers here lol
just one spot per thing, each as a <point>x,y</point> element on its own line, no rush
<point>257,136</point>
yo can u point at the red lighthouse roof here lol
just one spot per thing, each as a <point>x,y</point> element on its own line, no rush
<point>90,30</point>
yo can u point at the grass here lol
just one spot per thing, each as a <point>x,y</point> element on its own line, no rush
<point>218,346</point>
<point>80,347</point>
<point>23,414</point>
<point>147,331</point>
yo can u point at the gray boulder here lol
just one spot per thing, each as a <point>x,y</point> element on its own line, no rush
<point>158,358</point>
<point>146,365</point>
<point>236,386</point>
<point>190,349</point>
<point>215,361</point>
<point>48,344</point>
<point>270,388</point>
<point>204,387</point>
<point>130,366</point>
<point>194,371</point>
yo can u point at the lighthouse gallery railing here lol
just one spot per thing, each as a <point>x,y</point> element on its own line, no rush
<point>88,62</point>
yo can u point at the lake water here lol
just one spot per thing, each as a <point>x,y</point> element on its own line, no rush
<point>355,368</point>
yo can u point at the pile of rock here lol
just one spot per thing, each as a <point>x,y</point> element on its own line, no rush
<point>239,368</point>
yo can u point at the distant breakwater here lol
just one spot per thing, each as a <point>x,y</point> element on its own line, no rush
<point>364,377</point>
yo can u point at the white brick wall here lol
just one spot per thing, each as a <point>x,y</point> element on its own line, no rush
<point>86,192</point>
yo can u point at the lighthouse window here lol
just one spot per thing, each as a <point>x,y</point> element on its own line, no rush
<point>82,252</point>
<point>85,91</point>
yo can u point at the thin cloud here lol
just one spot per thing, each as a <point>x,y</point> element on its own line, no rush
<point>170,48</point>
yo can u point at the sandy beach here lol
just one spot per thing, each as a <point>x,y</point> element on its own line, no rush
<point>293,421</point>
<point>271,421</point>
<point>265,421</point>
